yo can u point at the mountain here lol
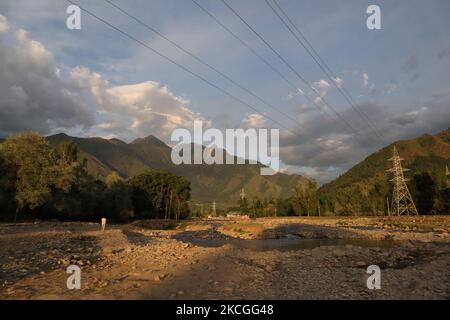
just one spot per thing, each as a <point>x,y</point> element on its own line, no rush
<point>221,183</point>
<point>365,186</point>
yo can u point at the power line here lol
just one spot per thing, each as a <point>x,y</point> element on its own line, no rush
<point>289,66</point>
<point>202,61</point>
<point>179,65</point>
<point>325,68</point>
<point>290,83</point>
<point>295,87</point>
<point>312,48</point>
<point>287,63</point>
<point>207,64</point>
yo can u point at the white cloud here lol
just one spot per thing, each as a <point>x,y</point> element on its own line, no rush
<point>365,79</point>
<point>254,120</point>
<point>298,92</point>
<point>322,87</point>
<point>318,101</point>
<point>33,96</point>
<point>138,109</point>
<point>3,23</point>
<point>36,96</point>
<point>36,51</point>
<point>391,87</point>
<point>339,81</point>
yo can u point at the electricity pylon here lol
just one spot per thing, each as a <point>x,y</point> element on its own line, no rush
<point>402,202</point>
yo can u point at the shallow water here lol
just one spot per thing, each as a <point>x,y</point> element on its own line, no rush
<point>293,244</point>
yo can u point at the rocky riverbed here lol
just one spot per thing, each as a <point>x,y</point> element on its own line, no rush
<point>143,261</point>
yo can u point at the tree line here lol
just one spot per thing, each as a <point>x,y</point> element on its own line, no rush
<point>430,194</point>
<point>429,190</point>
<point>39,181</point>
<point>303,202</point>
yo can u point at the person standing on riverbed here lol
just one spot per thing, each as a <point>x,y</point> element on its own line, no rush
<point>103,223</point>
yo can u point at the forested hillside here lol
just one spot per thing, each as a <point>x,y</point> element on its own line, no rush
<point>364,188</point>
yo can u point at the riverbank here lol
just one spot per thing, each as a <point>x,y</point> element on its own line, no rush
<point>137,261</point>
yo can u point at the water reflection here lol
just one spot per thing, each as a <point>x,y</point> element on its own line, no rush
<point>292,244</point>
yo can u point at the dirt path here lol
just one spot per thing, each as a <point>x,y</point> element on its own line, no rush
<point>129,262</point>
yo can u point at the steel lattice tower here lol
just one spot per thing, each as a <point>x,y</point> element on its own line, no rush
<point>402,202</point>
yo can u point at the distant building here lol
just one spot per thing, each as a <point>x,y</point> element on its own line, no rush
<point>237,214</point>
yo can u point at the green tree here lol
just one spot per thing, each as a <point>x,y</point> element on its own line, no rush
<point>243,205</point>
<point>68,152</point>
<point>160,194</point>
<point>305,200</point>
<point>7,189</point>
<point>426,193</point>
<point>284,207</point>
<point>36,169</point>
<point>117,204</point>
<point>444,201</point>
<point>257,208</point>
<point>83,199</point>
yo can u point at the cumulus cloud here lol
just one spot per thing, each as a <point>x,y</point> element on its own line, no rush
<point>298,92</point>
<point>339,82</point>
<point>304,108</point>
<point>318,101</point>
<point>326,147</point>
<point>391,87</point>
<point>254,120</point>
<point>365,79</point>
<point>33,95</point>
<point>137,109</point>
<point>322,87</point>
<point>3,23</point>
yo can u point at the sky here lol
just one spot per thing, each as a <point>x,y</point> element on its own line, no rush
<point>97,82</point>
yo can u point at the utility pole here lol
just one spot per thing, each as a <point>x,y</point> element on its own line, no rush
<point>387,203</point>
<point>402,202</point>
<point>214,208</point>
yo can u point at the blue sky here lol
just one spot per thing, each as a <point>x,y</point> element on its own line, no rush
<point>399,75</point>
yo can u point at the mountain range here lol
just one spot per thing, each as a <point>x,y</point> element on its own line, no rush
<point>362,188</point>
<point>222,183</point>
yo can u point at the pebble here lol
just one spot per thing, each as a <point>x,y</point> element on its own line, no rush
<point>361,264</point>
